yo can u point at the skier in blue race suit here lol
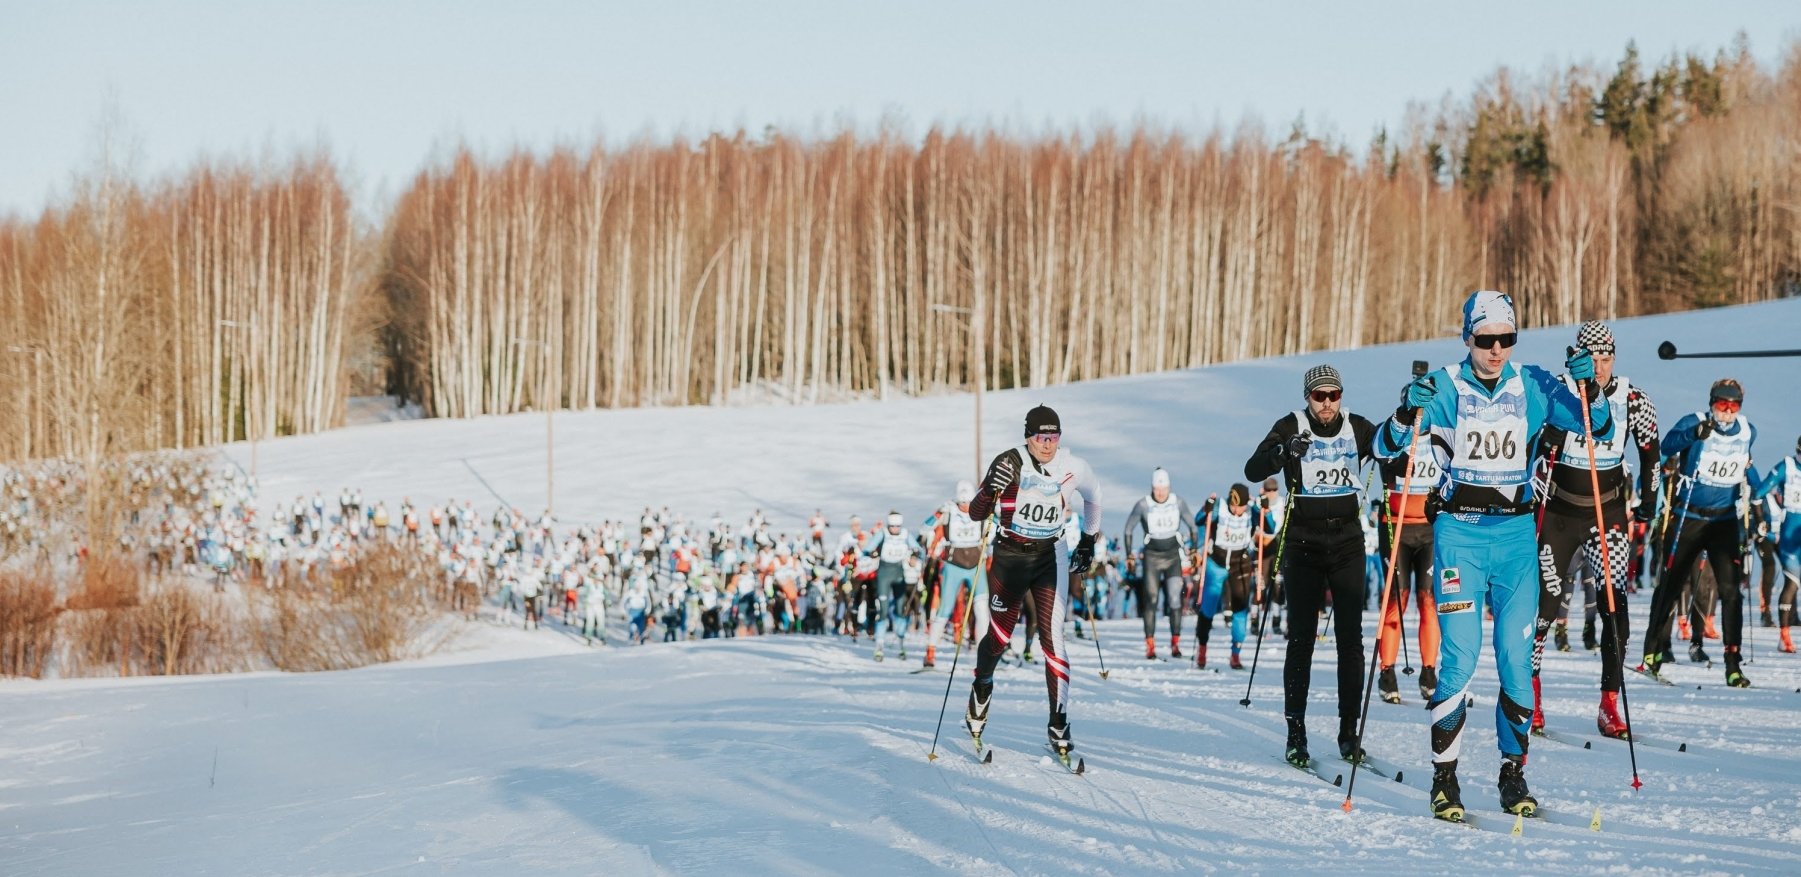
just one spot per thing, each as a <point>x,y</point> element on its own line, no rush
<point>1484,415</point>
<point>1785,480</point>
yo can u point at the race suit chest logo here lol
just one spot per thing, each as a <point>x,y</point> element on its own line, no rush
<point>1038,507</point>
<point>1456,607</point>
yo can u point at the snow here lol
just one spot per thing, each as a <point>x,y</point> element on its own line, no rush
<point>509,753</point>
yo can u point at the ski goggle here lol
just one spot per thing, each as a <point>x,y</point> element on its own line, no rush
<point>1047,438</point>
<point>1727,405</point>
<point>1326,395</point>
<point>1489,342</point>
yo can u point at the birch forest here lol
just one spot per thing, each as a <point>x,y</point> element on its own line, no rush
<point>239,300</point>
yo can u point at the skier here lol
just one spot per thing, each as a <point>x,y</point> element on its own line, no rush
<point>960,561</point>
<point>1714,450</point>
<point>1406,506</point>
<point>1032,489</point>
<point>1169,534</point>
<point>594,611</point>
<point>1483,414</point>
<point>1228,570</point>
<point>1785,480</point>
<point>1321,451</point>
<point>893,547</point>
<point>1568,522</point>
<point>1270,507</point>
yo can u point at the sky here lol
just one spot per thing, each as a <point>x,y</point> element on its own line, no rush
<point>386,86</point>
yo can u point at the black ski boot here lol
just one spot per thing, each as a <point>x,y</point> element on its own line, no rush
<point>1589,643</point>
<point>1058,732</point>
<point>1296,753</point>
<point>1347,741</point>
<point>1560,633</point>
<point>1447,799</point>
<point>1698,654</point>
<point>975,715</point>
<point>1734,677</point>
<point>1391,691</point>
<point>1428,683</point>
<point>1767,620</point>
<point>1515,798</point>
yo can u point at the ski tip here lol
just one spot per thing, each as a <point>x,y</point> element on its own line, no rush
<point>1595,823</point>
<point>1081,766</point>
<point>988,757</point>
<point>1588,744</point>
<point>1519,824</point>
<point>1338,780</point>
<point>1682,747</point>
<point>1399,774</point>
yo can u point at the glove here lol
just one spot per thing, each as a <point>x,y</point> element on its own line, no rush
<point>1001,475</point>
<point>1704,428</point>
<point>1421,392</point>
<point>1297,445</point>
<point>1084,556</point>
<point>1580,364</point>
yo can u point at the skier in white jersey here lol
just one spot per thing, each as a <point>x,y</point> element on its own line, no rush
<point>1169,535</point>
<point>960,559</point>
<point>1033,489</point>
<point>892,546</point>
<point>1484,414</point>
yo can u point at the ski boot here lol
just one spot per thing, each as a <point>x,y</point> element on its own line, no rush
<point>1766,620</point>
<point>1428,683</point>
<point>1079,629</point>
<point>878,653</point>
<point>1697,654</point>
<point>1515,798</point>
<point>1150,648</point>
<point>1560,633</point>
<point>1608,721</point>
<point>975,714</point>
<point>1348,748</point>
<point>1785,644</point>
<point>1538,710</point>
<point>903,651</point>
<point>1058,732</point>
<point>1026,656</point>
<point>1296,751</point>
<point>1175,647</point>
<point>1237,664</point>
<point>1707,628</point>
<point>1200,657</point>
<point>931,656</point>
<point>1651,663</point>
<point>1276,625</point>
<point>1734,677</point>
<point>1447,798</point>
<point>1256,625</point>
<point>1391,690</point>
<point>1589,643</point>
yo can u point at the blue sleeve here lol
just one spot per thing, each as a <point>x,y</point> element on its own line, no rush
<point>1769,482</point>
<point>1681,436</point>
<point>1549,400</point>
<point>1393,438</point>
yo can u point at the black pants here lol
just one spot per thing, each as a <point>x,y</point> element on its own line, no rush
<point>1035,581</point>
<point>1565,531</point>
<point>1324,557</point>
<point>1720,539</point>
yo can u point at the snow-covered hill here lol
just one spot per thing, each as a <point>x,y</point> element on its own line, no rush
<point>799,755</point>
<point>865,458</point>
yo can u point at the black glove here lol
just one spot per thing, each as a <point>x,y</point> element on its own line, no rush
<point>1001,475</point>
<point>1207,509</point>
<point>1704,429</point>
<point>1084,556</point>
<point>1297,445</point>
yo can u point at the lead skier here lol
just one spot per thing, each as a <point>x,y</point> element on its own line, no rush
<point>1483,415</point>
<point>1032,489</point>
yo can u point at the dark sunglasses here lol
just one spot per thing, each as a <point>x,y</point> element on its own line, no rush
<point>1326,395</point>
<point>1488,342</point>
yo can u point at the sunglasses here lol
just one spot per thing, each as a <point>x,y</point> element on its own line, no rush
<point>1725,405</point>
<point>1326,395</point>
<point>1048,438</point>
<point>1488,342</point>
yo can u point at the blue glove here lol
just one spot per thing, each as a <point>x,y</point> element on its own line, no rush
<point>1580,364</point>
<point>1421,392</point>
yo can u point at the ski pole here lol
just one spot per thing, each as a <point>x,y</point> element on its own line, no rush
<point>956,653</point>
<point>1369,682</point>
<point>1619,644</point>
<point>1263,623</point>
<point>1096,627</point>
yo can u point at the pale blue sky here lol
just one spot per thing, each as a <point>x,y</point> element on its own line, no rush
<point>386,83</point>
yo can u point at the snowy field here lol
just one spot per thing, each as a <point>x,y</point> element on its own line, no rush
<point>792,755</point>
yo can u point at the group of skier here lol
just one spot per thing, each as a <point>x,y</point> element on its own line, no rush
<point>1507,489</point>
